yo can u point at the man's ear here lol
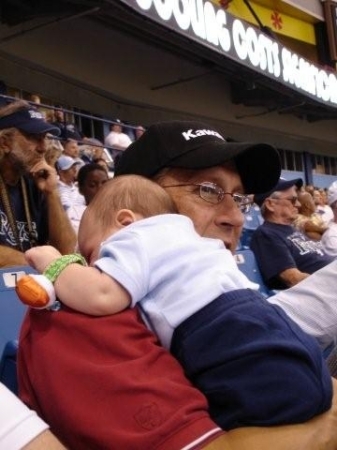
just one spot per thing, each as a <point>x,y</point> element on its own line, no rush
<point>125,217</point>
<point>5,143</point>
<point>269,204</point>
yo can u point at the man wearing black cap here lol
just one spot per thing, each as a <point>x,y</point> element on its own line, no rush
<point>207,178</point>
<point>30,208</point>
<point>183,156</point>
<point>284,254</point>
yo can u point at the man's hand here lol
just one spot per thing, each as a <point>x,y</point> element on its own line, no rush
<point>45,176</point>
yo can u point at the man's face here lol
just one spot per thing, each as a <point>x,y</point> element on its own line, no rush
<point>117,128</point>
<point>69,176</point>
<point>26,150</point>
<point>221,221</point>
<point>284,206</point>
<point>59,115</point>
<point>71,149</point>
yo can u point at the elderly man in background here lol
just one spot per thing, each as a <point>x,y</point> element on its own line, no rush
<point>30,207</point>
<point>285,255</point>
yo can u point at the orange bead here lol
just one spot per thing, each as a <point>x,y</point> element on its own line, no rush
<point>31,293</point>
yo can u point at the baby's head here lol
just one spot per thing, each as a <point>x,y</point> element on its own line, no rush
<point>119,202</point>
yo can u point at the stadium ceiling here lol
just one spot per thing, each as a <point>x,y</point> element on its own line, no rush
<point>248,87</point>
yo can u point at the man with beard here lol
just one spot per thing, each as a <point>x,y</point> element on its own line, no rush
<point>30,208</point>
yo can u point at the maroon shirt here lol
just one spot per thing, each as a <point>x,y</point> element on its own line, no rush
<point>106,383</point>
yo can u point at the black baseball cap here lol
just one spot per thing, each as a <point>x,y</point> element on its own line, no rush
<point>282,185</point>
<point>195,145</point>
<point>28,120</point>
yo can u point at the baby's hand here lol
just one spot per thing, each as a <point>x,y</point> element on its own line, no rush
<point>41,257</point>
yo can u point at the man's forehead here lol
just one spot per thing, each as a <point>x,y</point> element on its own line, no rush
<point>224,174</point>
<point>292,190</point>
<point>34,136</point>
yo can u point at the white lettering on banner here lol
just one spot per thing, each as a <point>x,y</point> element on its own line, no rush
<point>215,23</point>
<point>189,134</point>
<point>203,21</point>
<point>144,4</point>
<point>309,78</point>
<point>183,17</point>
<point>261,50</point>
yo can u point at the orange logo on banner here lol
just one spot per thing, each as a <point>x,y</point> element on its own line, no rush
<point>276,20</point>
<point>224,3</point>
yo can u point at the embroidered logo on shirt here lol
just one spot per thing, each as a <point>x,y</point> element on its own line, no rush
<point>149,416</point>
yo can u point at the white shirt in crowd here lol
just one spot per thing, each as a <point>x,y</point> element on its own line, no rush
<point>69,195</point>
<point>329,240</point>
<point>119,141</point>
<point>326,213</point>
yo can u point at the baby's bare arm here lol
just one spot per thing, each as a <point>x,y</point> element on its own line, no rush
<point>88,290</point>
<point>85,289</point>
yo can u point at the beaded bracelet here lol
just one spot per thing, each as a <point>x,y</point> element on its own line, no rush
<point>55,268</point>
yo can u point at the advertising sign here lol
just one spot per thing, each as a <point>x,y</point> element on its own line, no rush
<point>206,23</point>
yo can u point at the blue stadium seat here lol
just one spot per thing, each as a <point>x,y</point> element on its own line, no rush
<point>245,238</point>
<point>12,310</point>
<point>246,262</point>
<point>253,220</point>
<point>8,375</point>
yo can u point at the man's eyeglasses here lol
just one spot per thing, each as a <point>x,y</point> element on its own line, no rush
<point>293,200</point>
<point>212,193</point>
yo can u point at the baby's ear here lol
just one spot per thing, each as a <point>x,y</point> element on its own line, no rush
<point>125,217</point>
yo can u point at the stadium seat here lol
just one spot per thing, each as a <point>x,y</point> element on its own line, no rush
<point>246,262</point>
<point>8,375</point>
<point>12,310</point>
<point>245,238</point>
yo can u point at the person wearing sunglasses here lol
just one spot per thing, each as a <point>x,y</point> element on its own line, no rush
<point>111,384</point>
<point>285,255</point>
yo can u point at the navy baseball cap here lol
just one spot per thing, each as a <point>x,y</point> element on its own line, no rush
<point>195,145</point>
<point>282,185</point>
<point>28,120</point>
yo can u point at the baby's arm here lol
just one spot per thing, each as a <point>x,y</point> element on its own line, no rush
<point>90,291</point>
<point>83,288</point>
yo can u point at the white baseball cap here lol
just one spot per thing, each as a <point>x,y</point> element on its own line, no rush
<point>332,193</point>
<point>65,162</point>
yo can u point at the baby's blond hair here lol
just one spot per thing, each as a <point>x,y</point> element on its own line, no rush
<point>140,195</point>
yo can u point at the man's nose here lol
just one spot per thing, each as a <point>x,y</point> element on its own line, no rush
<point>41,144</point>
<point>229,208</point>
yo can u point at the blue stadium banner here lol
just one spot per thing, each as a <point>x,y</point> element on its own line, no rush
<point>210,25</point>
